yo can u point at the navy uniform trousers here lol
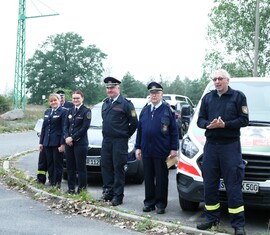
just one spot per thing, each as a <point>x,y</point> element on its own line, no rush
<point>156,182</point>
<point>55,165</point>
<point>113,159</point>
<point>76,158</point>
<point>224,160</point>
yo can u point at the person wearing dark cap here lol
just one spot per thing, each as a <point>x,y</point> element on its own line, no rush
<point>119,123</point>
<point>63,102</point>
<point>157,139</point>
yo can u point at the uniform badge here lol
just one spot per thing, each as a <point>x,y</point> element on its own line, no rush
<point>69,116</point>
<point>245,109</point>
<point>133,113</point>
<point>88,115</point>
<point>164,127</point>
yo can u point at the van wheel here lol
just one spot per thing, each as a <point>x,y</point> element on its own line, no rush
<point>188,205</point>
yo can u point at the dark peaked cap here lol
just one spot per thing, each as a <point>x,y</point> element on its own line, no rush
<point>111,81</point>
<point>154,86</point>
<point>60,92</point>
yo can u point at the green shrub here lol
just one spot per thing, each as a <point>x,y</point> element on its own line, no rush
<point>5,104</point>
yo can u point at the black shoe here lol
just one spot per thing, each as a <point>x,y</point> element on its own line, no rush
<point>71,191</point>
<point>148,208</point>
<point>105,198</point>
<point>206,225</point>
<point>81,190</point>
<point>160,211</point>
<point>239,231</point>
<point>116,202</point>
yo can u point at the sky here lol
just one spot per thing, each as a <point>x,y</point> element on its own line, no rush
<point>148,38</point>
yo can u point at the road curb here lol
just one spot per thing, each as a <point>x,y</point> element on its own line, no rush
<point>124,215</point>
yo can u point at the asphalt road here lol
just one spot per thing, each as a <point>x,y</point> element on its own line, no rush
<point>257,221</point>
<point>21,215</point>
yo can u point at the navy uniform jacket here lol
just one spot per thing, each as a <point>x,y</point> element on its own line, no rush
<point>231,107</point>
<point>52,128</point>
<point>119,119</point>
<point>77,124</point>
<point>157,135</point>
<point>68,105</point>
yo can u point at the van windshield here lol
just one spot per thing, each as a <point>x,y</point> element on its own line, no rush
<point>258,99</point>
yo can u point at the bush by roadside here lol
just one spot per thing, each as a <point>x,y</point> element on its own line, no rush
<point>5,104</point>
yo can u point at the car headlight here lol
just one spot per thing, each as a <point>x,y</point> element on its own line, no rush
<point>188,148</point>
<point>130,146</point>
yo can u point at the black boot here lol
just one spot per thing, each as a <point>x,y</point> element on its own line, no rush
<point>239,231</point>
<point>206,225</point>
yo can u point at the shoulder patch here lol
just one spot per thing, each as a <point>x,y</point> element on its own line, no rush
<point>88,115</point>
<point>245,109</point>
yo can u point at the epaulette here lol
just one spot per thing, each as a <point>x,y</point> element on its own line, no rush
<point>127,100</point>
<point>105,99</point>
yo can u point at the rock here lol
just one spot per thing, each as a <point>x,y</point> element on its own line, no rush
<point>13,115</point>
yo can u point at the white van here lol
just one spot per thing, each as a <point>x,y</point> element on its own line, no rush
<point>172,99</point>
<point>255,142</point>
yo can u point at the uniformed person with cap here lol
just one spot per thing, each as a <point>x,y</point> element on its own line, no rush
<point>157,139</point>
<point>63,102</point>
<point>119,123</point>
<point>75,133</point>
<point>51,139</point>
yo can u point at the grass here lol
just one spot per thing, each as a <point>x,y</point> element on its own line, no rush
<point>31,115</point>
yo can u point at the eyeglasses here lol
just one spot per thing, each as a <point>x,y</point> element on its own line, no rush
<point>218,78</point>
<point>155,92</point>
<point>75,98</point>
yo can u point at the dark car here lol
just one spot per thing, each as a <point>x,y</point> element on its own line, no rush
<point>133,168</point>
<point>184,113</point>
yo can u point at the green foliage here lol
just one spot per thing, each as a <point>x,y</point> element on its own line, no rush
<point>232,33</point>
<point>145,225</point>
<point>62,62</point>
<point>132,88</point>
<point>5,104</point>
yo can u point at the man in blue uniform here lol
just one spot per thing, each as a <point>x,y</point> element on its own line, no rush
<point>157,139</point>
<point>63,102</point>
<point>119,123</point>
<point>223,112</point>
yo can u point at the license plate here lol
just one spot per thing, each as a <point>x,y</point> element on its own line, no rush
<point>247,187</point>
<point>93,162</point>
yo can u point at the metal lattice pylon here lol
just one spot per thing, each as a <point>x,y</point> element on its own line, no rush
<point>19,96</point>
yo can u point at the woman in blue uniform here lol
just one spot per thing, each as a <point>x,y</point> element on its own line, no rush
<point>51,139</point>
<point>75,134</point>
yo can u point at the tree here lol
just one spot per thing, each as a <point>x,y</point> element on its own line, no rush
<point>232,33</point>
<point>62,61</point>
<point>132,88</point>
